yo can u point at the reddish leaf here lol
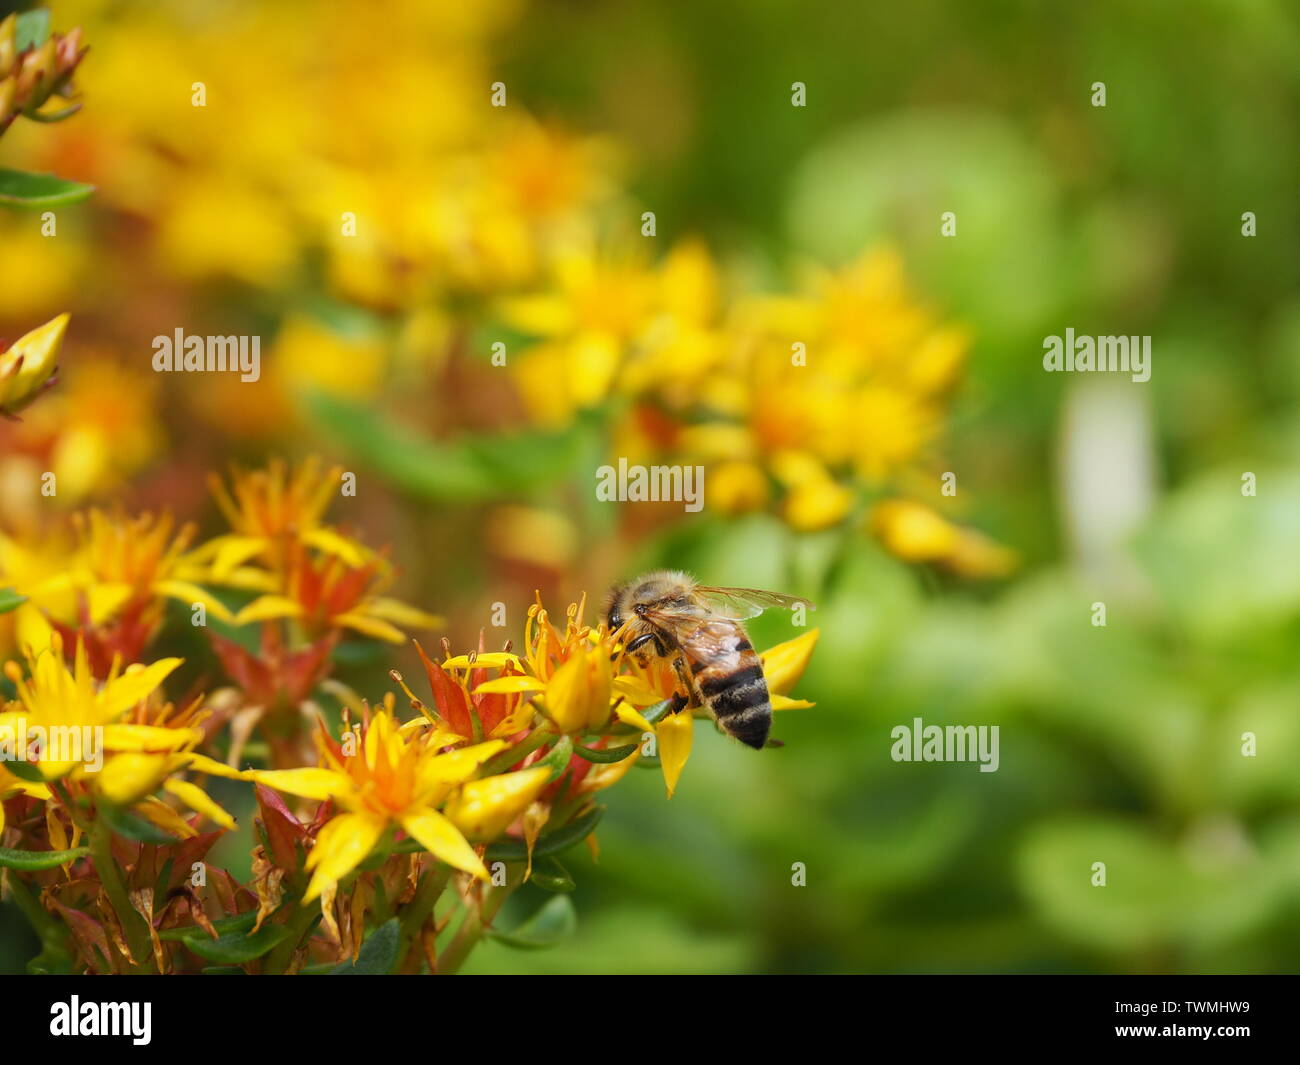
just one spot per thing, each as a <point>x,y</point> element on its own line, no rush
<point>447,696</point>
<point>283,830</point>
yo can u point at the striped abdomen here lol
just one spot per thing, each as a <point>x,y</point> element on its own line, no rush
<point>729,682</point>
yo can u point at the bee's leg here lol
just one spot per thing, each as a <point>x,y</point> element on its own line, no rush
<point>680,701</point>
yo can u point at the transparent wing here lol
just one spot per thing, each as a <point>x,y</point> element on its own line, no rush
<point>702,639</point>
<point>740,604</point>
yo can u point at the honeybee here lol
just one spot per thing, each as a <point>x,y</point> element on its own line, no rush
<point>698,629</point>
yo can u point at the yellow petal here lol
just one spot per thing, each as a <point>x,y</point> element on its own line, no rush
<point>674,740</point>
<point>127,778</point>
<point>229,553</point>
<point>486,660</point>
<point>443,840</point>
<point>515,721</point>
<point>134,685</point>
<point>198,800</point>
<point>268,608</point>
<point>31,629</point>
<point>784,664</point>
<point>332,543</point>
<point>577,695</point>
<point>629,716</point>
<point>460,764</point>
<point>369,626</point>
<point>201,763</point>
<point>483,809</point>
<point>510,685</point>
<point>400,613</point>
<point>162,815</point>
<point>105,600</point>
<point>636,691</point>
<point>784,702</point>
<point>148,738</point>
<point>308,783</point>
<point>342,845</point>
<point>190,594</point>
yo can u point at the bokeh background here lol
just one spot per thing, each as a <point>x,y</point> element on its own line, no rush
<point>522,224</point>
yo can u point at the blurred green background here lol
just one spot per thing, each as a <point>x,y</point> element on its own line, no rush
<point>1119,744</point>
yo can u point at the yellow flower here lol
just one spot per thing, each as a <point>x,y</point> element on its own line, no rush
<point>28,366</point>
<point>112,588</point>
<point>916,533</point>
<point>386,779</point>
<point>577,695</point>
<point>74,728</point>
<point>574,671</point>
<point>327,593</point>
<point>270,511</point>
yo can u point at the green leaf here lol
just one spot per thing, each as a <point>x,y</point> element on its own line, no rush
<point>33,29</point>
<point>378,954</point>
<point>550,875</point>
<point>472,467</point>
<point>240,922</point>
<point>606,755</point>
<point>130,826</point>
<point>18,188</point>
<point>654,713</point>
<point>35,861</point>
<point>25,770</point>
<point>514,850</point>
<point>10,600</point>
<point>558,759</point>
<point>235,948</point>
<point>554,922</point>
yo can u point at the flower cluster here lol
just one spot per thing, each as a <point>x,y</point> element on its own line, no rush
<point>365,817</point>
<point>823,403</point>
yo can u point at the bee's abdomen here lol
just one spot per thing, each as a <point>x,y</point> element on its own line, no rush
<point>737,697</point>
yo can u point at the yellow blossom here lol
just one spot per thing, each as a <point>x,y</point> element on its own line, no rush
<point>389,779</point>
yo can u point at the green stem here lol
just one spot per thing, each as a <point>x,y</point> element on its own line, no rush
<point>46,927</point>
<point>299,925</point>
<point>416,912</point>
<point>110,876</point>
<point>477,920</point>
<point>503,761</point>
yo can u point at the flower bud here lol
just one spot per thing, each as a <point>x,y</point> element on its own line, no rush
<point>28,79</point>
<point>28,367</point>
